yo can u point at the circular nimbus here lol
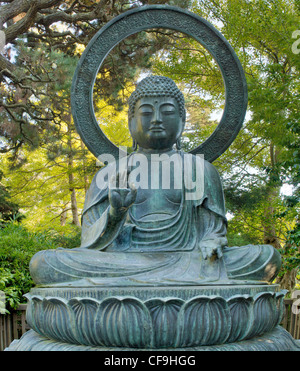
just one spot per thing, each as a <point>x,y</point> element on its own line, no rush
<point>145,18</point>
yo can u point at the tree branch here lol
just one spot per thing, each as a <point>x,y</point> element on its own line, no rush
<point>32,8</point>
<point>63,16</point>
<point>17,146</point>
<point>11,10</point>
<point>5,64</point>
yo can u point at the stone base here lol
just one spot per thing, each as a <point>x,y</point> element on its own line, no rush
<point>156,318</point>
<point>276,340</point>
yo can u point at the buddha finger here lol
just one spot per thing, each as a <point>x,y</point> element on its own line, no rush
<point>130,198</point>
<point>219,252</point>
<point>123,179</point>
<point>132,187</point>
<point>112,182</point>
<point>115,199</point>
<point>223,241</point>
<point>204,253</point>
<point>211,252</point>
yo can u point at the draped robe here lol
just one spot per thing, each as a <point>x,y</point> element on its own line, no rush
<point>155,252</point>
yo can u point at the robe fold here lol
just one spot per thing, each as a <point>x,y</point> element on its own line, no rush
<point>155,252</point>
<point>193,221</point>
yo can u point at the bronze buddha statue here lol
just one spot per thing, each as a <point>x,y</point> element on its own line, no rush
<point>145,234</point>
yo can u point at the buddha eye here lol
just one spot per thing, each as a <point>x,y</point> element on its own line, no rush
<point>145,111</point>
<point>168,109</point>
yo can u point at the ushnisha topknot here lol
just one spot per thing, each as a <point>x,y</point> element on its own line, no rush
<point>156,86</point>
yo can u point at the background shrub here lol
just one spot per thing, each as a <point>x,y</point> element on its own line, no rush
<point>17,246</point>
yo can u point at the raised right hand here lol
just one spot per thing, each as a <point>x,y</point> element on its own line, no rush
<point>121,199</point>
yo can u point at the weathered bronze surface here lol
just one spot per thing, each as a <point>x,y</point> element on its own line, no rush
<point>151,17</point>
<point>156,235</point>
<point>154,270</point>
<point>155,255</point>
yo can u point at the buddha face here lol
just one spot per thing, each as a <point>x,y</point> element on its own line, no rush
<point>156,123</point>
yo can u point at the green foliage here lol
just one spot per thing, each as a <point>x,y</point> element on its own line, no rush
<point>42,180</point>
<point>290,260</point>
<point>236,238</point>
<point>8,209</point>
<point>17,246</point>
<point>67,239</point>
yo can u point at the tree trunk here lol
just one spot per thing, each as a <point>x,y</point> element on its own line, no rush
<point>85,177</point>
<point>288,280</point>
<point>63,218</point>
<point>74,208</point>
<point>75,218</point>
<point>270,235</point>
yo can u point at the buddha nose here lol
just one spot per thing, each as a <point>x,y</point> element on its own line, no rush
<point>157,117</point>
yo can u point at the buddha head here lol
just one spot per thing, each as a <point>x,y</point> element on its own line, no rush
<point>156,113</point>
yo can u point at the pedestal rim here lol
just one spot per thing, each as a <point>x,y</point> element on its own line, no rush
<point>276,340</point>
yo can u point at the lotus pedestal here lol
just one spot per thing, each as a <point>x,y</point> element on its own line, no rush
<point>157,318</point>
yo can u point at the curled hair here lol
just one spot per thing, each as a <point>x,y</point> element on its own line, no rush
<point>156,86</point>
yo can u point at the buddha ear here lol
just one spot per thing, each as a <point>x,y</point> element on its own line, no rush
<point>183,118</point>
<point>130,124</point>
<point>178,141</point>
<point>134,145</point>
<point>131,127</point>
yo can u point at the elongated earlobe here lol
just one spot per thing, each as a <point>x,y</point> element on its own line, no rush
<point>178,144</point>
<point>134,145</point>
